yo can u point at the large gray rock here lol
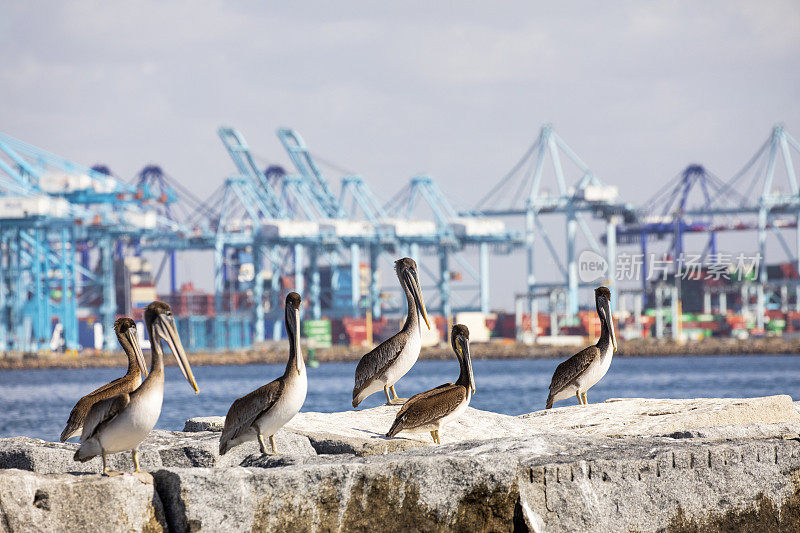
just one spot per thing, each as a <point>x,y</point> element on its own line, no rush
<point>56,503</point>
<point>363,432</point>
<point>649,417</point>
<point>548,483</point>
<point>159,449</point>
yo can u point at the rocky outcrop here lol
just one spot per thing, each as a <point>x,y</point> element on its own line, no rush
<point>62,502</point>
<point>622,465</point>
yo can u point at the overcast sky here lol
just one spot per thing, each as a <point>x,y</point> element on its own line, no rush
<point>638,89</point>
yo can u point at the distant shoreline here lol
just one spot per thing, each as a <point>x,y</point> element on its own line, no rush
<point>275,352</point>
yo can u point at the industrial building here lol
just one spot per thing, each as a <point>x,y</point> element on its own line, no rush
<point>75,243</point>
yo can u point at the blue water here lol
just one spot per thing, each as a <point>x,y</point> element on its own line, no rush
<point>511,386</point>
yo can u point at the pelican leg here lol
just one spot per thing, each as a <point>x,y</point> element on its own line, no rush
<point>585,399</point>
<point>438,439</point>
<point>135,455</point>
<point>262,445</point>
<point>392,400</point>
<point>580,398</point>
<point>388,397</point>
<point>272,442</point>
<point>106,471</point>
<point>396,400</point>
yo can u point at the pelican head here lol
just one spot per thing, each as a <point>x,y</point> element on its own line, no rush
<point>292,321</point>
<point>460,340</point>
<point>602,299</point>
<point>406,269</point>
<point>125,328</point>
<point>159,320</point>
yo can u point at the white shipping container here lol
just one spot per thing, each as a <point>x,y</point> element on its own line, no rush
<point>408,228</point>
<point>289,228</point>
<point>596,193</point>
<point>476,323</point>
<point>347,228</point>
<point>28,206</point>
<point>475,226</point>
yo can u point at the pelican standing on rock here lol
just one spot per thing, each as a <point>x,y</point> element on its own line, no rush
<point>431,410</point>
<point>580,372</point>
<point>121,423</point>
<point>125,328</point>
<point>265,410</point>
<point>390,360</point>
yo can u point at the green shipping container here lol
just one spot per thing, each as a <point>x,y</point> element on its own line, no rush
<point>318,333</point>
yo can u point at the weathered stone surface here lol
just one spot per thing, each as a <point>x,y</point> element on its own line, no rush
<point>363,432</point>
<point>646,417</point>
<point>623,465</point>
<point>159,449</point>
<point>549,482</point>
<point>55,503</point>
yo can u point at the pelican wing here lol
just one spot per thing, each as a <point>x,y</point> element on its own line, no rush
<point>573,367</point>
<point>247,409</point>
<point>125,384</point>
<point>428,407</point>
<point>375,362</point>
<point>103,412</point>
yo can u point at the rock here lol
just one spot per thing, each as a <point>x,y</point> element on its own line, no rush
<point>44,457</point>
<point>622,465</point>
<point>55,503</point>
<point>205,423</point>
<point>553,482</point>
<point>646,417</point>
<point>160,449</point>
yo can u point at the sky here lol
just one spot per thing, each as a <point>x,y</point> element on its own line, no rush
<point>455,90</point>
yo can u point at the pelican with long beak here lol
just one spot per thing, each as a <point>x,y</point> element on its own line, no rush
<point>431,410</point>
<point>265,410</point>
<point>390,360</point>
<point>125,328</point>
<point>121,423</point>
<point>580,372</point>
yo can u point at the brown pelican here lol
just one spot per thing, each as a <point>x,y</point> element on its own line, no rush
<point>125,328</point>
<point>390,360</point>
<point>430,410</point>
<point>580,372</point>
<point>265,410</point>
<point>121,423</point>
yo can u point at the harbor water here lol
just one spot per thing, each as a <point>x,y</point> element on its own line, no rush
<point>36,403</point>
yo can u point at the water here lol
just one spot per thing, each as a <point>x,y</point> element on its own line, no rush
<point>511,386</point>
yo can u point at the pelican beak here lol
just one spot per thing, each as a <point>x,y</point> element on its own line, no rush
<point>610,320</point>
<point>166,330</point>
<point>133,338</point>
<point>299,358</point>
<point>463,351</point>
<point>413,284</point>
<point>292,320</point>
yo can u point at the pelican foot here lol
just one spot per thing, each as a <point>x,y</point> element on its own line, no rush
<point>397,401</point>
<point>113,473</point>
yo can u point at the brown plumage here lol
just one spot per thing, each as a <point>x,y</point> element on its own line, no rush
<point>125,329</point>
<point>102,413</point>
<point>580,372</point>
<point>246,410</point>
<point>432,408</point>
<point>570,369</point>
<point>428,407</point>
<point>262,412</point>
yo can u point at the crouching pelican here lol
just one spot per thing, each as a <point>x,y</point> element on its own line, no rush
<point>125,328</point>
<point>121,423</point>
<point>580,372</point>
<point>390,360</point>
<point>265,410</point>
<point>431,410</point>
